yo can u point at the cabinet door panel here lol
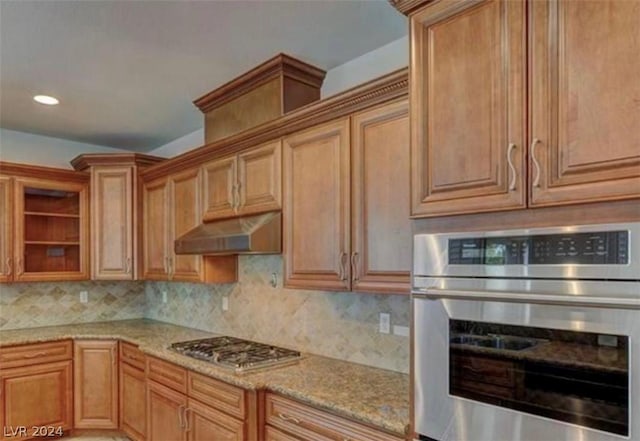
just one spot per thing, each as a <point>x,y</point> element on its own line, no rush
<point>6,229</point>
<point>185,215</point>
<point>207,424</point>
<point>468,64</point>
<point>219,188</point>
<point>164,410</point>
<point>133,402</point>
<point>260,179</point>
<point>316,207</point>
<point>96,384</point>
<point>112,223</point>
<point>585,91</point>
<point>155,230</point>
<point>381,228</point>
<point>39,395</point>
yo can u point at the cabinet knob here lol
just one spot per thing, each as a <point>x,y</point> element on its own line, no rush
<point>512,168</point>
<point>536,164</point>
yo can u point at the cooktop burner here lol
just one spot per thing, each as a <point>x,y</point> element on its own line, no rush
<point>235,353</point>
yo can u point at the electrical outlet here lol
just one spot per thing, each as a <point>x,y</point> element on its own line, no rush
<point>164,297</point>
<point>225,303</point>
<point>84,297</point>
<point>385,323</point>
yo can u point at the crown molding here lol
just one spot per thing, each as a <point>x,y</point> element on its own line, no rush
<point>83,162</point>
<point>406,7</point>
<point>36,171</point>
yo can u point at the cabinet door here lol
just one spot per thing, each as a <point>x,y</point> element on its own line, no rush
<point>51,221</point>
<point>185,212</point>
<point>585,92</point>
<point>165,414</point>
<point>39,395</point>
<point>6,229</point>
<point>316,207</point>
<point>381,228</point>
<point>155,230</point>
<point>220,188</point>
<point>468,101</point>
<point>96,384</point>
<point>112,223</point>
<point>133,402</point>
<point>204,423</point>
<point>260,179</point>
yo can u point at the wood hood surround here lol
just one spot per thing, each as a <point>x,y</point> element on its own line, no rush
<point>266,92</point>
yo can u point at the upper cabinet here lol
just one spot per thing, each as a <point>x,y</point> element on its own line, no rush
<point>173,206</point>
<point>115,212</point>
<point>316,207</point>
<point>469,70</point>
<point>346,205</point>
<point>247,183</point>
<point>585,101</point>
<point>467,81</point>
<point>6,228</point>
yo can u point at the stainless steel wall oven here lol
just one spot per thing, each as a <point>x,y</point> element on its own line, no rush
<point>528,334</point>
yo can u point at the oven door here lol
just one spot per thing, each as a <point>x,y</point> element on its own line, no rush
<point>499,370</point>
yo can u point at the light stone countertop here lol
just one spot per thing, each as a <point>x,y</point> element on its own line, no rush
<point>370,395</point>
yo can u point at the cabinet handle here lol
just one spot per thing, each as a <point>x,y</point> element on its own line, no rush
<point>343,270</point>
<point>181,416</point>
<point>512,182</point>
<point>166,265</point>
<point>288,418</point>
<point>18,266</point>
<point>37,354</point>
<point>536,164</point>
<point>128,269</point>
<point>9,269</point>
<point>187,426</point>
<point>237,197</point>
<point>354,266</point>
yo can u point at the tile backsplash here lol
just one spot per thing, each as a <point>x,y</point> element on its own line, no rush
<point>26,305</point>
<point>341,325</point>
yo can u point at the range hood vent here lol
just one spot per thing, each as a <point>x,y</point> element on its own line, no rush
<point>258,234</point>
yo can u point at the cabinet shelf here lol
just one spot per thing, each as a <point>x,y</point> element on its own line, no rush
<point>47,214</point>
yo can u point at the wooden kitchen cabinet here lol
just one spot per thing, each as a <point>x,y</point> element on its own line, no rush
<point>36,386</point>
<point>293,420</point>
<point>204,423</point>
<point>95,384</point>
<point>133,392</point>
<point>243,184</point>
<point>584,101</point>
<point>51,230</point>
<point>316,232</point>
<point>173,206</point>
<point>6,228</point>
<point>165,413</point>
<point>381,238</point>
<point>468,107</point>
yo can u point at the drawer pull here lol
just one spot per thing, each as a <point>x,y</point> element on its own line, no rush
<point>181,410</point>
<point>288,418</point>
<point>37,354</point>
<point>512,168</point>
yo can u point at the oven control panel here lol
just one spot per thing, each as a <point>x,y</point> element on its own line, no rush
<point>592,248</point>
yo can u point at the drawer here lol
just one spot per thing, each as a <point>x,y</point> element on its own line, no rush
<point>305,422</point>
<point>25,355</point>
<point>218,394</point>
<point>167,374</point>
<point>130,354</point>
<point>273,434</point>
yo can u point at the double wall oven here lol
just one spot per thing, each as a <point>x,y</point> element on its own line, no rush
<point>528,334</point>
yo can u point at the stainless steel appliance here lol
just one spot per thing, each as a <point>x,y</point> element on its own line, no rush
<point>529,334</point>
<point>237,354</point>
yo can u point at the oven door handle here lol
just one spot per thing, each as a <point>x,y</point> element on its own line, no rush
<point>526,297</point>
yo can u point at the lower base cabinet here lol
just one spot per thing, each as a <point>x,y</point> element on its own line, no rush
<point>165,413</point>
<point>289,420</point>
<point>133,402</point>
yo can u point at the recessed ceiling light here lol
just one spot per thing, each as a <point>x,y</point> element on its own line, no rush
<point>46,99</point>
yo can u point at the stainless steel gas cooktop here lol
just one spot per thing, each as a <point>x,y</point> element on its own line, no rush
<point>235,353</point>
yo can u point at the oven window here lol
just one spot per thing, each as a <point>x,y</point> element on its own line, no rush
<point>576,377</point>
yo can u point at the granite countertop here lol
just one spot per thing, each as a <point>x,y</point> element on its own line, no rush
<point>370,395</point>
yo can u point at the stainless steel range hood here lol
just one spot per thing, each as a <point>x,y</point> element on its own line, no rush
<point>258,234</point>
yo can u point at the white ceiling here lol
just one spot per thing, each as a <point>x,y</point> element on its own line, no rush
<point>126,71</point>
